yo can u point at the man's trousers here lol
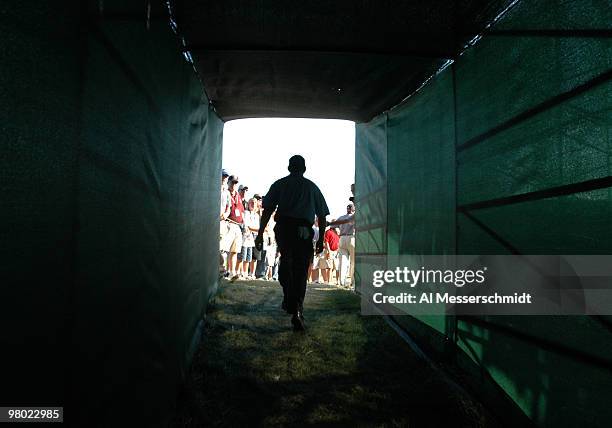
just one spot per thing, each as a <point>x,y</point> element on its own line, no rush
<point>346,251</point>
<point>296,252</point>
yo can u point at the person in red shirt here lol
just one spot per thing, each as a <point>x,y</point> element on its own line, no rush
<point>332,239</point>
<point>232,242</point>
<point>331,242</point>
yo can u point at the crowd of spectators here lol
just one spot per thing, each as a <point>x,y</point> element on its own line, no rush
<point>240,216</point>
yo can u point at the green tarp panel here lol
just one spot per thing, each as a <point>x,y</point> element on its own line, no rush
<point>509,150</point>
<point>110,180</point>
<point>544,125</point>
<point>421,143</point>
<point>371,162</point>
<point>341,59</point>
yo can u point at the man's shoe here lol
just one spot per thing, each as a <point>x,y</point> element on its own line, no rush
<point>297,320</point>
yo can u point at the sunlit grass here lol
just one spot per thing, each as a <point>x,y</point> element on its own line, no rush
<point>347,369</point>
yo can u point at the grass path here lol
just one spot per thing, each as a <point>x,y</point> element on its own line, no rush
<point>346,370</point>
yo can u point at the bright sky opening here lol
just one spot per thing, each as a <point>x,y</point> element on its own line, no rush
<point>258,151</point>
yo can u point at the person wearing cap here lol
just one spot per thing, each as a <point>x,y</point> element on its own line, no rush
<point>251,226</point>
<point>346,249</point>
<point>232,242</point>
<point>258,198</point>
<point>297,201</point>
<point>243,194</point>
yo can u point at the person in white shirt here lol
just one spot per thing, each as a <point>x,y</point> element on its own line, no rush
<point>251,226</point>
<point>270,249</point>
<point>346,250</point>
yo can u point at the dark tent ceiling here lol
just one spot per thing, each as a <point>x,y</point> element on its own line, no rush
<point>345,59</point>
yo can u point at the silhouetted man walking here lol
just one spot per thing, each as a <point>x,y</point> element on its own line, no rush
<point>297,200</point>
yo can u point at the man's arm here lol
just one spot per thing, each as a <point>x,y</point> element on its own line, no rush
<point>326,246</point>
<point>344,221</point>
<point>265,218</point>
<point>321,210</point>
<point>322,226</point>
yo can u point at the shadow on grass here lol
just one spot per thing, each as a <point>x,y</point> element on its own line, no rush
<point>347,370</point>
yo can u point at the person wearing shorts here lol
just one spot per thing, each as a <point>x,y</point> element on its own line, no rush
<point>232,242</point>
<point>346,249</point>
<point>331,242</point>
<point>246,255</point>
<point>251,225</point>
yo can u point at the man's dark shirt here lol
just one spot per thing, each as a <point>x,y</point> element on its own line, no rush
<point>297,197</point>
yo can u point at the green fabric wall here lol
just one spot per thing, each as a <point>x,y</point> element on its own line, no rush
<point>39,114</point>
<point>111,188</point>
<point>524,110</point>
<point>371,164</point>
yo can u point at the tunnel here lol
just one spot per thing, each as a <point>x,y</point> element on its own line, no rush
<point>482,127</point>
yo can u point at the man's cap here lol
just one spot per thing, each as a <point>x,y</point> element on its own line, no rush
<point>233,178</point>
<point>297,163</point>
<point>224,173</point>
<point>256,196</point>
<point>241,188</point>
